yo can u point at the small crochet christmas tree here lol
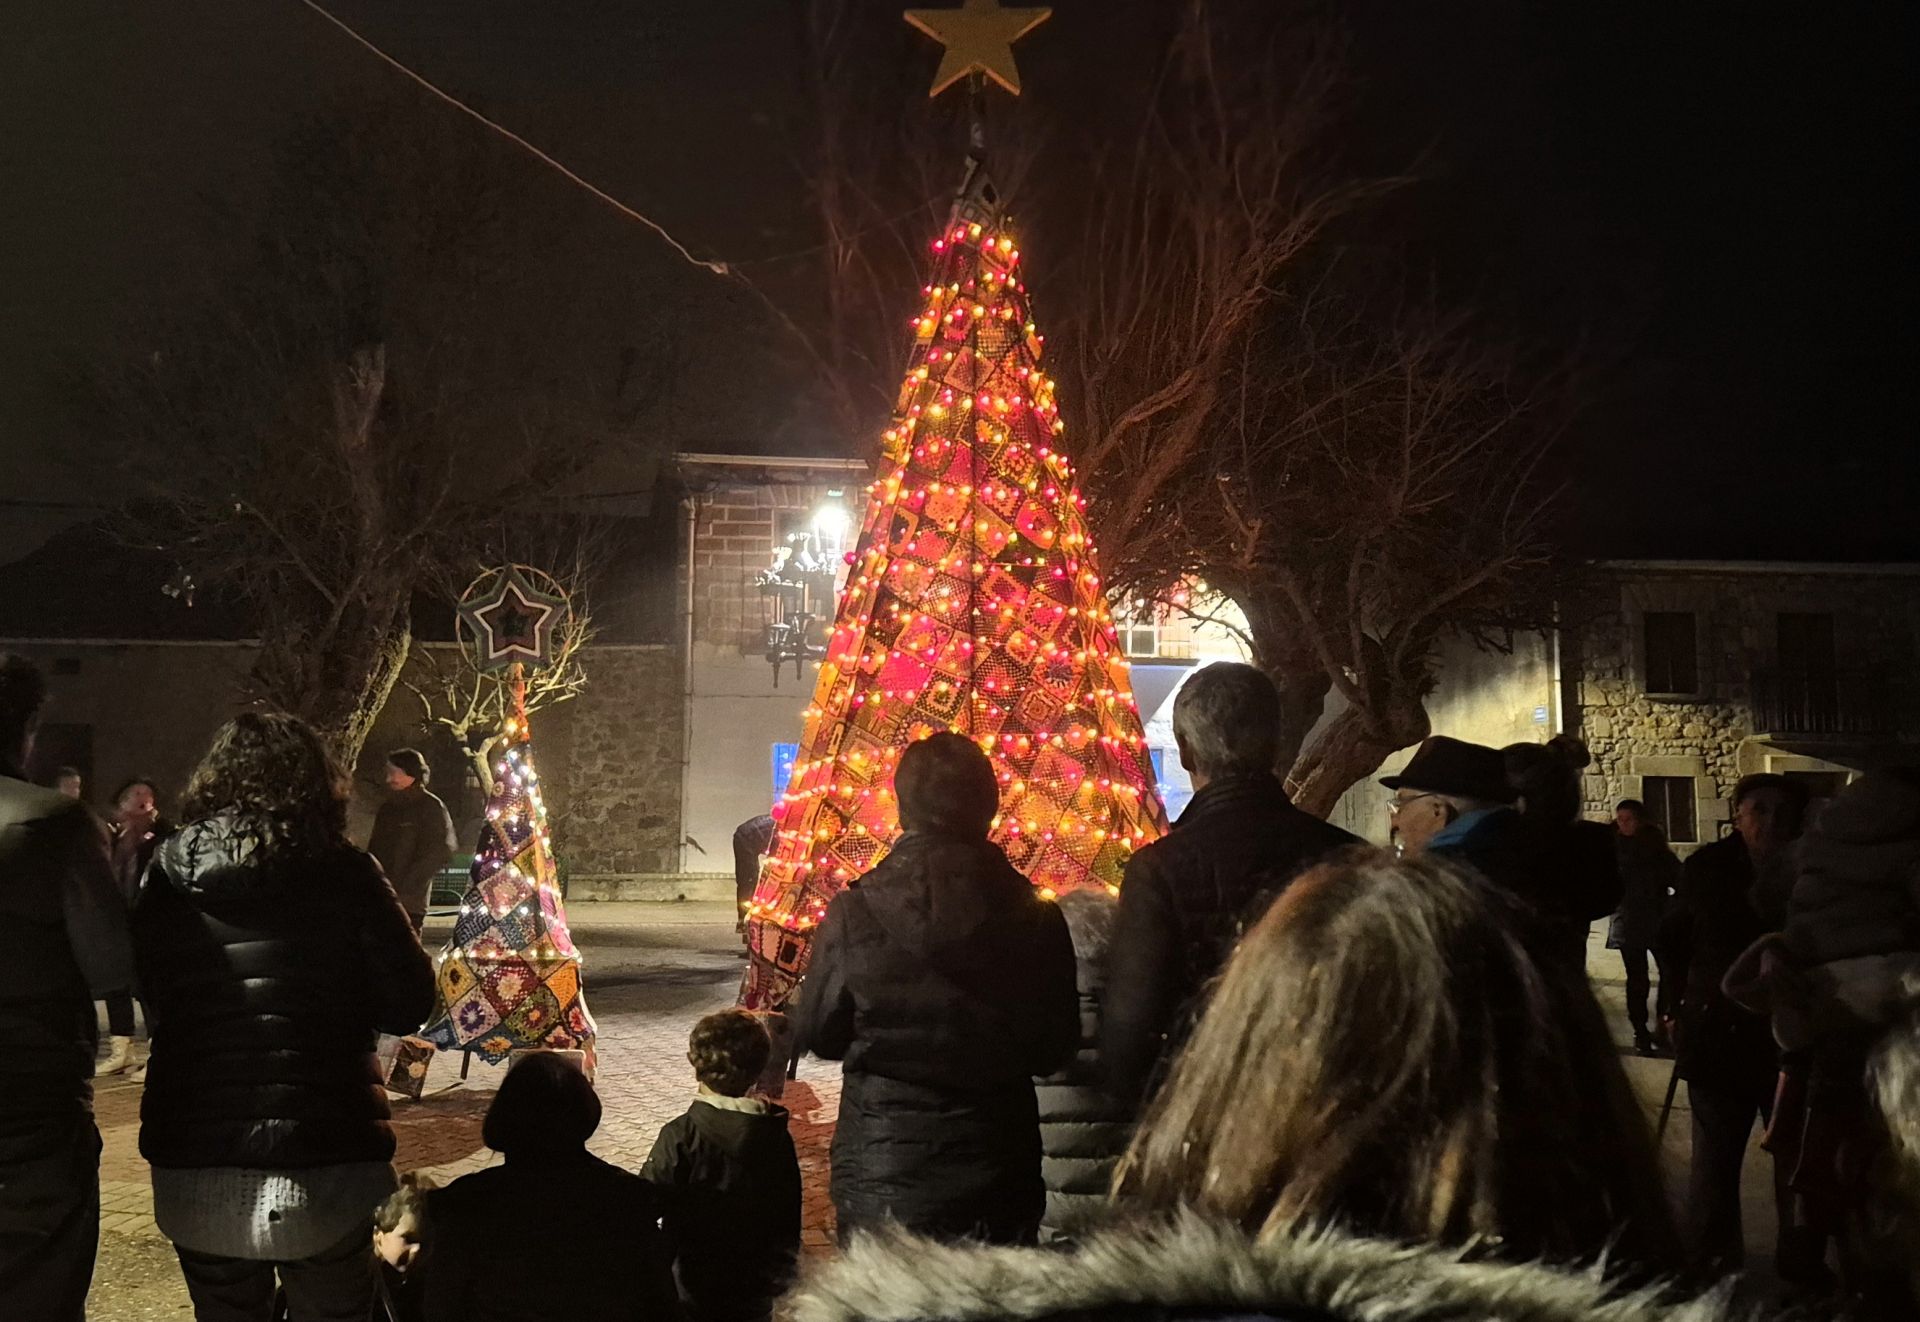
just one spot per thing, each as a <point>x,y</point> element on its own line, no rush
<point>509,979</point>
<point>974,604</point>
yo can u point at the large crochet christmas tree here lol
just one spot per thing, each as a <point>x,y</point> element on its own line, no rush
<point>509,978</point>
<point>973,603</point>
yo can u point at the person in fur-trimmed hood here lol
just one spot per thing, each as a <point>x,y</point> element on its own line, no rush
<point>1201,1271</point>
<point>1385,1113</point>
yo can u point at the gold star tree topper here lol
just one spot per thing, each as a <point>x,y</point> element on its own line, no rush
<point>979,38</point>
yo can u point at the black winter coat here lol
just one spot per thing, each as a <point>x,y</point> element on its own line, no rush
<point>1084,1129</point>
<point>1649,875</point>
<point>1714,919</point>
<point>730,1185</point>
<point>1564,876</point>
<point>547,1238</point>
<point>945,983</point>
<point>66,929</point>
<point>1185,902</point>
<point>268,976</point>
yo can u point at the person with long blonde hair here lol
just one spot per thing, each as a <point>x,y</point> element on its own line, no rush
<point>1396,1063</point>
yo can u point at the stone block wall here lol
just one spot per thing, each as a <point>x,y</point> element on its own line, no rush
<point>1711,734</point>
<point>610,759</point>
<point>622,768</point>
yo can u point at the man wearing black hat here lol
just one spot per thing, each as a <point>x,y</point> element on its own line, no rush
<point>412,833</point>
<point>1454,800</point>
<point>1452,795</point>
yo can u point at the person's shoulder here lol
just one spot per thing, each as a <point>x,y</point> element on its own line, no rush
<point>22,802</point>
<point>472,1192</point>
<point>617,1187</point>
<point>1319,834</point>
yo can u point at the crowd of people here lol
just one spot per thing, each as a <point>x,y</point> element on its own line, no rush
<point>1280,1075</point>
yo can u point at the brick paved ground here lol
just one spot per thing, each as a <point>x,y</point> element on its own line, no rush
<point>651,971</point>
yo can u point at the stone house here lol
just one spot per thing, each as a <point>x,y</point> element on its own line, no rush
<point>1683,676</point>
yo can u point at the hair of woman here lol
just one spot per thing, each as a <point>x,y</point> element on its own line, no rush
<point>546,1105</point>
<point>1381,1053</point>
<point>1546,777</point>
<point>273,770</point>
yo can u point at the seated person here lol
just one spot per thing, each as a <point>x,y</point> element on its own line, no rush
<point>554,1232</point>
<point>399,1227</point>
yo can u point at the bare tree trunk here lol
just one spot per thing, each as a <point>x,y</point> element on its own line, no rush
<point>336,680</point>
<point>1303,683</point>
<point>1352,747</point>
<point>347,734</point>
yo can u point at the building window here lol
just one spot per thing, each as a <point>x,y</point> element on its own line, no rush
<point>1672,652</point>
<point>1140,637</point>
<point>1809,679</point>
<point>1669,801</point>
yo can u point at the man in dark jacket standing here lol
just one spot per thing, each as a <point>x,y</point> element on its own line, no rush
<point>1187,897</point>
<point>67,944</point>
<point>1649,875</point>
<point>946,983</point>
<point>1454,800</point>
<point>1725,1053</point>
<point>412,833</point>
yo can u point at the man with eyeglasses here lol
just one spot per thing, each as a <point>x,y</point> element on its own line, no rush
<point>1451,797</point>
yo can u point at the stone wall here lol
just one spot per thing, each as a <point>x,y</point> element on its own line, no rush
<point>623,765</point>
<point>610,760</point>
<point>1711,735</point>
<point>143,709</point>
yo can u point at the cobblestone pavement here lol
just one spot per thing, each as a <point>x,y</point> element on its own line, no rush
<point>651,970</point>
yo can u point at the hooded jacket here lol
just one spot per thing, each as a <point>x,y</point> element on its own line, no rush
<point>268,974</point>
<point>730,1183</point>
<point>547,1237</point>
<point>1196,1271</point>
<point>946,983</point>
<point>1858,888</point>
<point>1187,898</point>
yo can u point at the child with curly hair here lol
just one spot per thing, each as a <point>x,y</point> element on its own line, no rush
<point>730,1179</point>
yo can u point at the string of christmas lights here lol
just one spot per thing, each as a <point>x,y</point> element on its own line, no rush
<point>509,977</point>
<point>973,603</point>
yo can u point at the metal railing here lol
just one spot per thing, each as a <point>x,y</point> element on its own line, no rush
<point>1825,704</point>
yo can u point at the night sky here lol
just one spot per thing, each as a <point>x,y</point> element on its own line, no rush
<point>1713,191</point>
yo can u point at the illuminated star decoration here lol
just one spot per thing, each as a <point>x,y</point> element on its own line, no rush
<point>512,623</point>
<point>979,38</point>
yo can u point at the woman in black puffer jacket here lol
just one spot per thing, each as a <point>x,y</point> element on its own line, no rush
<point>946,984</point>
<point>1084,1128</point>
<point>271,952</point>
